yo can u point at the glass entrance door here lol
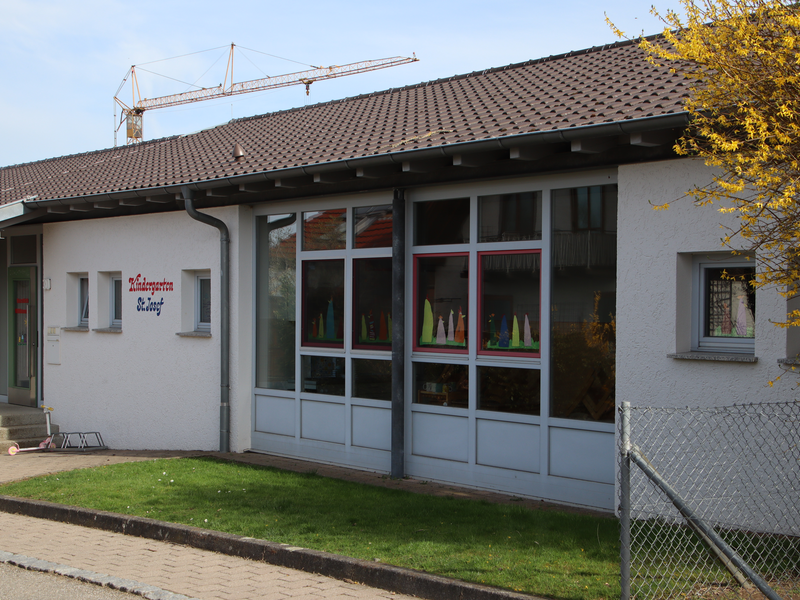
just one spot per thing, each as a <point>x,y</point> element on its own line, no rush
<point>23,336</point>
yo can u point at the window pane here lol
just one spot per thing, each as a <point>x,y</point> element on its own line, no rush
<point>441,222</point>
<point>509,390</point>
<point>730,302</point>
<point>84,299</point>
<point>584,262</point>
<point>510,285</point>
<point>372,379</point>
<point>323,303</point>
<point>444,385</point>
<point>117,300</point>
<point>323,375</point>
<point>205,300</point>
<point>23,249</point>
<point>324,230</point>
<point>276,265</point>
<point>441,306</point>
<point>373,226</point>
<point>372,303</point>
<point>511,217</point>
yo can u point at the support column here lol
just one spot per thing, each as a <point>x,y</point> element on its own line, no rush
<point>398,333</point>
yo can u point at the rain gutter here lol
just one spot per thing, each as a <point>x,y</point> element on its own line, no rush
<point>224,304</point>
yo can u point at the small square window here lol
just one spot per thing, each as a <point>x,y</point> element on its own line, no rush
<point>203,304</point>
<point>373,226</point>
<point>83,302</point>
<point>724,305</point>
<point>116,302</point>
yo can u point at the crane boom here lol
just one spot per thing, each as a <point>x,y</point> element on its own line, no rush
<point>133,114</point>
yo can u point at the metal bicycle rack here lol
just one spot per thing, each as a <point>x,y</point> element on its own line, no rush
<point>77,441</point>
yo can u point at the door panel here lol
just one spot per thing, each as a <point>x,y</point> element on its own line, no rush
<point>23,336</point>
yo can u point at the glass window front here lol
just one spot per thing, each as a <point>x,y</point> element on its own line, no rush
<point>372,303</point>
<point>583,303</point>
<point>372,379</point>
<point>510,217</point>
<point>442,287</point>
<point>116,302</point>
<point>509,302</point>
<point>730,302</point>
<point>323,303</point>
<point>323,375</point>
<point>276,276</point>
<point>204,303</point>
<point>325,229</point>
<point>441,384</point>
<point>84,301</point>
<point>441,222</point>
<point>509,390</point>
<point>373,226</point>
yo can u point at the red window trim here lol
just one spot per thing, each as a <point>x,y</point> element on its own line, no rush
<point>483,352</point>
<point>303,326</point>
<point>415,335</point>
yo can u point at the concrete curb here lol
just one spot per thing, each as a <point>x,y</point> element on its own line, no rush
<point>374,574</point>
<point>150,592</point>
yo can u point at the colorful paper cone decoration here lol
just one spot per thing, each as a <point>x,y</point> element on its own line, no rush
<point>427,324</point>
<point>459,337</point>
<point>441,338</point>
<point>330,329</point>
<point>526,332</point>
<point>504,335</point>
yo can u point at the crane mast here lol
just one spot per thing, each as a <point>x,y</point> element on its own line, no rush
<point>132,114</point>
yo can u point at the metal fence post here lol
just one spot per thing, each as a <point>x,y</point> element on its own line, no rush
<point>625,500</point>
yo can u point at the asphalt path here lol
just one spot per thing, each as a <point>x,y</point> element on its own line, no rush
<point>17,583</point>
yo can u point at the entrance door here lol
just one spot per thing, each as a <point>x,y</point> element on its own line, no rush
<point>23,334</point>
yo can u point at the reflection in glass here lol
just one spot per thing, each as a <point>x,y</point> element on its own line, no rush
<point>584,293</point>
<point>325,229</point>
<point>441,222</point>
<point>276,266</point>
<point>441,304</point>
<point>372,303</point>
<point>373,226</point>
<point>323,375</point>
<point>509,299</point>
<point>509,390</point>
<point>510,217</point>
<point>372,379</point>
<point>323,303</point>
<point>730,302</point>
<point>442,385</point>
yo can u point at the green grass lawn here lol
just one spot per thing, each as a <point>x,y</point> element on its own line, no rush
<point>560,555</point>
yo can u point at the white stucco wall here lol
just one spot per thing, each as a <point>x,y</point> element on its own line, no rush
<point>653,281</point>
<point>146,387</point>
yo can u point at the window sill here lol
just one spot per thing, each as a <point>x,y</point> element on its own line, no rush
<point>108,330</point>
<point>715,356</point>
<point>77,328</point>
<point>198,334</point>
<point>789,361</point>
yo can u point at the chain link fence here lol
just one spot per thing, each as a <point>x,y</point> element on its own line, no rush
<point>710,501</point>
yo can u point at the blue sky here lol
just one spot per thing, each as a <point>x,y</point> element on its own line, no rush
<point>61,62</point>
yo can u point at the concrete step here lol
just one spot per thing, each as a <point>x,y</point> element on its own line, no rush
<point>21,418</point>
<point>23,432</point>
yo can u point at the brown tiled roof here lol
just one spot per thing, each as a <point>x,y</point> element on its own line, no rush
<point>591,87</point>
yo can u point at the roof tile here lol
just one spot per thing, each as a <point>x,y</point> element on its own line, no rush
<point>588,87</point>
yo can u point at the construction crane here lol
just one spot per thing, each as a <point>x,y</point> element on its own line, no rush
<point>132,115</point>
